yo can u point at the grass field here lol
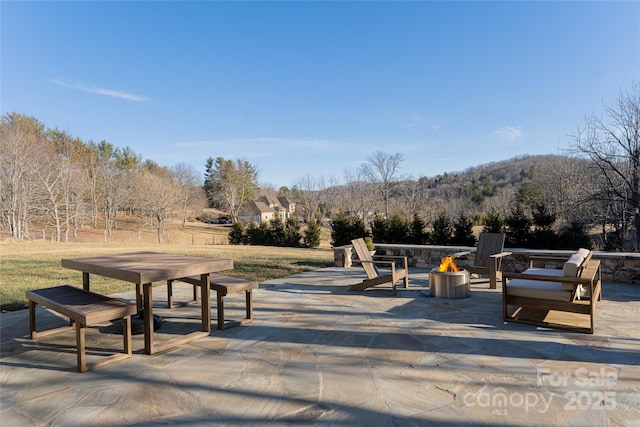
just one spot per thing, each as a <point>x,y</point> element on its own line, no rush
<point>26,265</point>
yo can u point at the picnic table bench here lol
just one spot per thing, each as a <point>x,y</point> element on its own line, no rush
<point>223,285</point>
<point>84,308</point>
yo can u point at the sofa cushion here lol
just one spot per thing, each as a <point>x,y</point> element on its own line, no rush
<point>538,289</point>
<point>584,253</point>
<point>571,268</point>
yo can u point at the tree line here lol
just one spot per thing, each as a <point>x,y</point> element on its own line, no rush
<point>594,186</point>
<point>47,173</point>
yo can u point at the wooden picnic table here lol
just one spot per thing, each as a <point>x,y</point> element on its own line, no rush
<point>144,268</point>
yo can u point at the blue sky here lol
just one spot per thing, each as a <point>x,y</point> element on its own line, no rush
<point>314,88</point>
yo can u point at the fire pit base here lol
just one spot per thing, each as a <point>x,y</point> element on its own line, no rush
<point>450,284</point>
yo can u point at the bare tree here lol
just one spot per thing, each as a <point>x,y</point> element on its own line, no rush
<point>307,193</point>
<point>158,195</point>
<point>382,170</point>
<point>568,184</point>
<point>51,172</point>
<point>190,192</point>
<point>20,138</point>
<point>357,197</point>
<point>613,144</point>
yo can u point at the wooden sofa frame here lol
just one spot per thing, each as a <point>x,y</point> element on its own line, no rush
<point>589,278</point>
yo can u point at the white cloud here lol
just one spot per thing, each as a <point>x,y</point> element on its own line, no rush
<point>414,119</point>
<point>508,132</point>
<point>97,90</point>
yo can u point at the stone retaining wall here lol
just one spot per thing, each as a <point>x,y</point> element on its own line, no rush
<point>617,267</point>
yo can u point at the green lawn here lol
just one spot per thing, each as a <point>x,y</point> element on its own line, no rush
<point>36,264</point>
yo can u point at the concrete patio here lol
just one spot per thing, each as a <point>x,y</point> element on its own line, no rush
<point>319,354</point>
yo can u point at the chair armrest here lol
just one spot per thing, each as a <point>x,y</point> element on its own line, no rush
<point>404,259</point>
<point>374,262</point>
<point>461,254</point>
<point>501,255</point>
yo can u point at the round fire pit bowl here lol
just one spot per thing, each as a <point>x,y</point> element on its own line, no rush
<point>449,284</point>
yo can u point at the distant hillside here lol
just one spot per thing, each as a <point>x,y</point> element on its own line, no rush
<point>500,174</point>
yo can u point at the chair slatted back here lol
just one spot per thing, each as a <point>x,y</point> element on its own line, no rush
<point>363,254</point>
<point>488,244</point>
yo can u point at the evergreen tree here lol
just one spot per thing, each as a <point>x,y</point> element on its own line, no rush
<point>311,237</point>
<point>237,234</point>
<point>380,229</point>
<point>493,223</point>
<point>340,225</point>
<point>463,231</point>
<point>276,232</point>
<point>442,230</point>
<point>398,230</point>
<point>258,234</point>
<point>344,229</point>
<point>292,233</point>
<point>357,228</point>
<point>417,234</point>
<point>543,237</point>
<point>518,233</point>
<point>574,236</point>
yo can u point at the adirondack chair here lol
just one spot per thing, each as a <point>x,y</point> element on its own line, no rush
<point>488,259</point>
<point>374,277</point>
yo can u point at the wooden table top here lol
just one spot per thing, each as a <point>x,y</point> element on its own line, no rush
<point>148,267</point>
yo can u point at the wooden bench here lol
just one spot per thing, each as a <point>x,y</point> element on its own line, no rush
<point>223,285</point>
<point>83,308</point>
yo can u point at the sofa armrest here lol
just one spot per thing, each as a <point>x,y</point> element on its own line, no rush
<point>559,279</point>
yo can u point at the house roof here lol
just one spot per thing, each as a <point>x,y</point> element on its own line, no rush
<point>285,202</point>
<point>256,208</point>
<point>269,200</point>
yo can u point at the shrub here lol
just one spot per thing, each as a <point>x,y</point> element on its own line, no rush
<point>207,218</point>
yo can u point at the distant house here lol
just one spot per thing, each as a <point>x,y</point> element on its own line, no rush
<point>256,211</point>
<point>265,208</point>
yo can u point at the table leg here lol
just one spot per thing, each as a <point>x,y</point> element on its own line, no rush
<point>139,297</point>
<point>148,318</point>
<point>206,302</point>
<point>85,281</point>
